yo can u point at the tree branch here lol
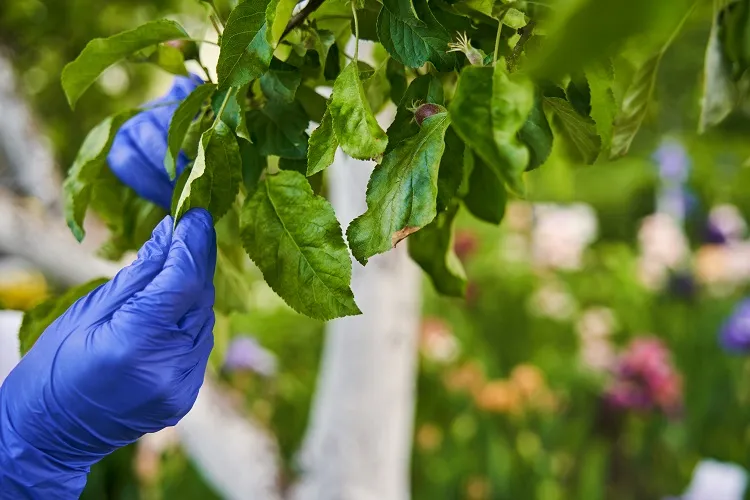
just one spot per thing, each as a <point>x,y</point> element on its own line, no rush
<point>515,54</point>
<point>300,16</point>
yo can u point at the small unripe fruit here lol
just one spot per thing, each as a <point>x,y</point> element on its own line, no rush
<point>425,111</point>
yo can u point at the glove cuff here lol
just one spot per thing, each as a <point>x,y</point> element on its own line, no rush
<point>26,472</point>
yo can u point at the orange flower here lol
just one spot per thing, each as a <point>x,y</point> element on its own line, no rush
<point>477,488</point>
<point>429,437</point>
<point>469,377</point>
<point>499,396</point>
<point>528,379</point>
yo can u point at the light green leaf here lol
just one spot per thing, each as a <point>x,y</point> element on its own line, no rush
<point>492,130</point>
<point>247,43</point>
<point>181,120</point>
<point>414,45</point>
<point>281,18</point>
<point>294,238</point>
<point>512,18</point>
<point>86,169</point>
<point>578,129</point>
<point>423,89</point>
<point>638,97</point>
<point>36,320</point>
<point>355,126</point>
<point>170,59</point>
<point>402,192</point>
<point>601,77</point>
<point>486,196</point>
<point>101,53</point>
<point>432,249</point>
<point>720,92</point>
<point>322,146</point>
<point>536,134</point>
<point>215,177</point>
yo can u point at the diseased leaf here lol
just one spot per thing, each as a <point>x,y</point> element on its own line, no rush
<point>101,53</point>
<point>91,158</point>
<point>601,77</point>
<point>720,92</point>
<point>322,146</point>
<point>451,172</point>
<point>432,249</point>
<point>247,43</point>
<point>486,196</point>
<point>414,45</point>
<point>294,238</point>
<point>536,134</point>
<point>492,130</point>
<point>402,192</point>
<point>181,120</point>
<point>578,129</point>
<point>215,177</point>
<point>355,126</point>
<point>36,320</point>
<point>638,97</point>
<point>423,89</point>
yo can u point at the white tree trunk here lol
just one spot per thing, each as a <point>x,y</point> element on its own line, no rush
<point>358,444</point>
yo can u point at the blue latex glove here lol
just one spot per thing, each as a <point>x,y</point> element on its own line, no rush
<point>137,154</point>
<point>125,360</point>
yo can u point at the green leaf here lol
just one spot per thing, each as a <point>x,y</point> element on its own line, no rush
<point>414,45</point>
<point>280,85</point>
<point>402,192</point>
<point>396,74</point>
<point>294,238</point>
<point>322,146</point>
<point>314,104</point>
<point>247,43</point>
<point>578,129</point>
<point>101,53</point>
<point>253,165</point>
<point>170,59</point>
<point>536,134</point>
<point>194,132</point>
<point>403,10</point>
<point>601,78</point>
<point>234,112</point>
<point>355,126</point>
<point>451,172</point>
<point>638,97</point>
<point>432,249</point>
<point>283,12</point>
<point>36,320</point>
<point>377,89</point>
<point>423,89</point>
<point>86,169</point>
<point>486,196</point>
<point>279,129</point>
<point>215,177</point>
<point>181,120</point>
<point>720,92</point>
<point>492,130</point>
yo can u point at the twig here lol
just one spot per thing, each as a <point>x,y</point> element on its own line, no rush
<point>525,33</point>
<point>300,16</point>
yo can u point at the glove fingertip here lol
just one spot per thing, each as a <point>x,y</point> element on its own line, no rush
<point>161,238</point>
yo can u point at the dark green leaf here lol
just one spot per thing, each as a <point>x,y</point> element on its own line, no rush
<point>314,104</point>
<point>402,192</point>
<point>253,165</point>
<point>451,172</point>
<point>492,130</point>
<point>247,43</point>
<point>216,174</point>
<point>423,89</point>
<point>415,45</point>
<point>87,168</point>
<point>355,126</point>
<point>322,146</point>
<point>36,320</point>
<point>403,10</point>
<point>278,129</point>
<point>294,238</point>
<point>377,89</point>
<point>396,74</point>
<point>235,109</point>
<point>101,53</point>
<point>280,85</point>
<point>194,132</point>
<point>432,249</point>
<point>181,120</point>
<point>486,196</point>
<point>536,134</point>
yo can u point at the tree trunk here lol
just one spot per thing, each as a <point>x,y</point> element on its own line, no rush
<point>358,444</point>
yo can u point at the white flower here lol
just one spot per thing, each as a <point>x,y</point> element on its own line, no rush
<point>553,300</point>
<point>560,235</point>
<point>728,220</point>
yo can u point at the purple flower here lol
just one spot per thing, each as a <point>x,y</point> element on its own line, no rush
<point>735,334</point>
<point>673,160</point>
<point>246,354</point>
<point>725,224</point>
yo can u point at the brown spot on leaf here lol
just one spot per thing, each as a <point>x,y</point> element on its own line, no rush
<point>402,233</point>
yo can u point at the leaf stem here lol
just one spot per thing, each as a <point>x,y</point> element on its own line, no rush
<point>230,92</point>
<point>356,32</point>
<point>497,40</point>
<point>216,23</point>
<point>300,16</point>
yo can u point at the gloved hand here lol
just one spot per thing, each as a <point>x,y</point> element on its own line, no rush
<point>137,154</point>
<point>125,360</point>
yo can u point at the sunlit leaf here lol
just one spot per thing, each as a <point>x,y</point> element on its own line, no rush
<point>181,121</point>
<point>578,129</point>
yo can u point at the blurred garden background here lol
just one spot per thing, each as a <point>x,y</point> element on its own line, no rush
<point>587,361</point>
